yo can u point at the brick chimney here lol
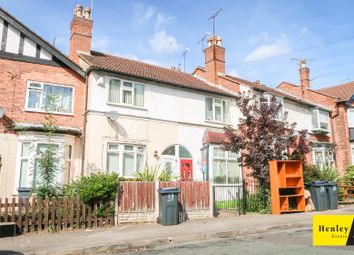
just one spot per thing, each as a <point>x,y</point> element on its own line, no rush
<point>214,58</point>
<point>80,32</point>
<point>304,78</point>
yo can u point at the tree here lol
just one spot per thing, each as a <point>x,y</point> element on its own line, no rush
<point>48,164</point>
<point>262,135</point>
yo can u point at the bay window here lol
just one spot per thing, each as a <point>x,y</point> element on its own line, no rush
<point>217,110</point>
<point>30,153</point>
<point>125,92</point>
<point>125,159</point>
<point>226,168</point>
<point>49,97</point>
<point>320,120</point>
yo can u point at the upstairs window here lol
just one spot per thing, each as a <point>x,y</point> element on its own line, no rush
<point>217,110</point>
<point>48,97</point>
<point>351,118</point>
<point>267,100</point>
<point>125,93</point>
<point>320,120</point>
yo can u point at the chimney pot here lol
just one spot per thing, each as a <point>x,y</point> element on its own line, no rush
<point>258,81</point>
<point>87,14</point>
<point>78,10</point>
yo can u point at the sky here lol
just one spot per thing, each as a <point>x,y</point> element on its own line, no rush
<point>263,39</point>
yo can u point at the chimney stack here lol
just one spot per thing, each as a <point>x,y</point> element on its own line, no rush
<point>80,32</point>
<point>304,78</point>
<point>214,58</point>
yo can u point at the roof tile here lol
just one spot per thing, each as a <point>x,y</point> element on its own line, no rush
<point>151,72</point>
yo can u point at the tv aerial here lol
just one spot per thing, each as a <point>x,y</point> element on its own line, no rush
<point>202,40</point>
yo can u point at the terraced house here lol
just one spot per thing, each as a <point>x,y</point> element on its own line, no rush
<point>31,71</point>
<point>310,115</point>
<point>339,99</point>
<point>140,114</point>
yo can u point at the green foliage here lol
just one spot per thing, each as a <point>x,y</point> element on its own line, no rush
<point>349,173</point>
<point>259,202</point>
<point>315,173</point>
<point>94,188</point>
<point>48,166</point>
<point>148,174</point>
<point>152,174</point>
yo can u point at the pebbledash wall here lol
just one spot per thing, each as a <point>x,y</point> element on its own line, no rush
<point>170,116</point>
<point>15,76</point>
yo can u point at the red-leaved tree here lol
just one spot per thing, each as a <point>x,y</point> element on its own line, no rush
<point>263,134</point>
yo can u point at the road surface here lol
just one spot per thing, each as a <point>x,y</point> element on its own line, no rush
<point>289,242</point>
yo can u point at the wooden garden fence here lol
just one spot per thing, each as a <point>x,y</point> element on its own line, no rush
<point>32,215</point>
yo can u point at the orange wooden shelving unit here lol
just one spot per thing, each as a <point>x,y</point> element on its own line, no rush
<point>287,186</point>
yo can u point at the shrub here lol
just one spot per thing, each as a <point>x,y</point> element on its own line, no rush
<point>259,202</point>
<point>152,174</point>
<point>349,173</point>
<point>315,173</point>
<point>94,188</point>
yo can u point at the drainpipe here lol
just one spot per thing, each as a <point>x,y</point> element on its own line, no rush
<point>85,123</point>
<point>333,137</point>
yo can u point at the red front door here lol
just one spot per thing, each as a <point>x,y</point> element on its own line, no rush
<point>186,170</point>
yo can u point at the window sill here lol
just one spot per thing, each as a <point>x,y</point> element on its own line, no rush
<point>128,106</point>
<point>216,122</point>
<point>320,131</point>
<point>45,112</point>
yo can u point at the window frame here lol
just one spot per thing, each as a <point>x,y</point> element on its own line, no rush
<point>221,105</point>
<point>227,157</point>
<point>349,124</point>
<point>29,109</point>
<point>319,128</point>
<point>121,151</point>
<point>323,150</point>
<point>122,88</point>
<point>33,156</point>
<point>278,100</point>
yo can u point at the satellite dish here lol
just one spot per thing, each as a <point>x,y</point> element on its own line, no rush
<point>112,115</point>
<point>2,112</point>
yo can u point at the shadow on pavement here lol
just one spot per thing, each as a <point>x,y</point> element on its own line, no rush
<point>3,252</point>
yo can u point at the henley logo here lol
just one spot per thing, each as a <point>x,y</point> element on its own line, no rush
<point>333,230</point>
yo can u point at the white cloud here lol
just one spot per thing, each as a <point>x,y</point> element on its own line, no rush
<point>280,46</point>
<point>143,14</point>
<point>163,42</point>
<point>100,44</point>
<point>161,20</point>
<point>261,37</point>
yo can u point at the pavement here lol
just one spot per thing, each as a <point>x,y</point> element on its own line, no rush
<point>131,237</point>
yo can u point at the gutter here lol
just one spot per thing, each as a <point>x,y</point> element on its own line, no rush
<point>18,126</point>
<point>92,68</point>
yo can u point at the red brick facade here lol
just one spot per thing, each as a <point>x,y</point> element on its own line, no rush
<point>339,122</point>
<point>13,85</point>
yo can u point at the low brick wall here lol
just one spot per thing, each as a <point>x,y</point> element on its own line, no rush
<point>198,214</point>
<point>136,217</point>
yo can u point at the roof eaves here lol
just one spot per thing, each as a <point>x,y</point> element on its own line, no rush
<point>93,67</point>
<point>42,42</point>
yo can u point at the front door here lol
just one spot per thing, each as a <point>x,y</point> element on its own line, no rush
<point>186,169</point>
